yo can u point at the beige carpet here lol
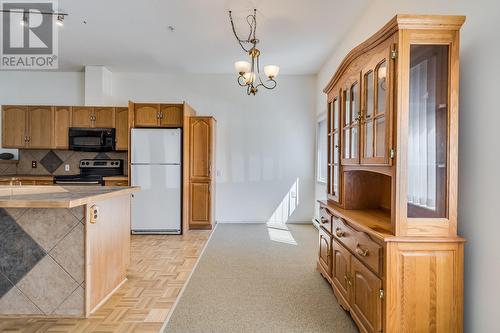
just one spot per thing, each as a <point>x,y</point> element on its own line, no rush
<point>254,278</point>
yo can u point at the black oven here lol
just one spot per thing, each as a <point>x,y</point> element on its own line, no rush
<point>92,139</point>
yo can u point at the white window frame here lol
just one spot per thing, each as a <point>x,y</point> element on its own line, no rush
<point>322,161</point>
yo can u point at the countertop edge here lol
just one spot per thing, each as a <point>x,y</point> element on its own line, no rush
<point>68,203</point>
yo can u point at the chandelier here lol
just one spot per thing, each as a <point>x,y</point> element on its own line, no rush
<point>249,71</point>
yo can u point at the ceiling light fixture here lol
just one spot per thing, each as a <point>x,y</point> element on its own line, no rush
<point>249,72</point>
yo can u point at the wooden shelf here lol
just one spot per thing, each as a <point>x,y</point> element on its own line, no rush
<point>376,222</point>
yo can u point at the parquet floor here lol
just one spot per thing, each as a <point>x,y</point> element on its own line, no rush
<point>160,266</point>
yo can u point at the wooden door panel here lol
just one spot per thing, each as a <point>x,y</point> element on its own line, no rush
<point>200,203</point>
<point>62,123</point>
<point>121,116</point>
<point>81,116</point>
<point>366,304</point>
<point>14,123</point>
<point>146,115</point>
<point>201,146</point>
<point>340,273</point>
<point>171,115</point>
<point>104,117</point>
<point>325,251</point>
<point>41,127</point>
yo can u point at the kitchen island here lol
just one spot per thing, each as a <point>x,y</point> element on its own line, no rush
<point>64,249</point>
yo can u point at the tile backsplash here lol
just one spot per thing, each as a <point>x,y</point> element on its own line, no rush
<point>52,162</point>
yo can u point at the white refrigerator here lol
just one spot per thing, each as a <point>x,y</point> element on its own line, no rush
<point>156,168</point>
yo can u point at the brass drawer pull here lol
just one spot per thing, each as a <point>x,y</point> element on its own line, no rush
<point>339,233</point>
<point>361,252</point>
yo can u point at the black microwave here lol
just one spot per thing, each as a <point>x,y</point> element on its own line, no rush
<point>92,139</point>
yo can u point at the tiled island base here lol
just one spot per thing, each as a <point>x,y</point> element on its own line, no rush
<point>42,261</point>
<point>63,250</point>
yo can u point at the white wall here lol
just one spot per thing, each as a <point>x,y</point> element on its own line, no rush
<point>18,87</point>
<point>479,159</point>
<point>264,142</point>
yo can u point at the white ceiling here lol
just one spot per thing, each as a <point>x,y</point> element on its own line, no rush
<point>133,35</point>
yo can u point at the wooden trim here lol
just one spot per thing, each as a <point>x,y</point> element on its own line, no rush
<point>398,22</point>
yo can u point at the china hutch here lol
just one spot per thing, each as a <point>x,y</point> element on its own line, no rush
<point>388,242</point>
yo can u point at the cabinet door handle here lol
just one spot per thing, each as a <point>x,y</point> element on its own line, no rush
<point>339,233</point>
<point>361,252</point>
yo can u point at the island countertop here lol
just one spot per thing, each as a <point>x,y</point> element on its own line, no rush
<point>58,196</point>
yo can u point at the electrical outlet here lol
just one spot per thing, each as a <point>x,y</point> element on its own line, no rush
<point>66,167</point>
<point>33,164</point>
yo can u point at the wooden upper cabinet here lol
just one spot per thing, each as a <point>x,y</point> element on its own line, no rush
<point>82,116</point>
<point>14,121</point>
<point>121,116</point>
<point>201,147</point>
<point>366,300</point>
<point>376,117</point>
<point>40,127</point>
<point>351,119</point>
<point>104,117</point>
<point>147,115</point>
<point>171,115</point>
<point>62,123</point>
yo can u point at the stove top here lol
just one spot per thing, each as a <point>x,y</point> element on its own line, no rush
<point>92,172</point>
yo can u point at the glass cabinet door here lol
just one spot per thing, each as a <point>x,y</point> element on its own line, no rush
<point>428,131</point>
<point>351,121</point>
<point>334,149</point>
<point>376,114</point>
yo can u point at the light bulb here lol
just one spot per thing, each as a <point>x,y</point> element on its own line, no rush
<point>242,67</point>
<point>271,71</point>
<point>249,77</point>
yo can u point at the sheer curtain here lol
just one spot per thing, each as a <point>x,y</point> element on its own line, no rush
<point>422,135</point>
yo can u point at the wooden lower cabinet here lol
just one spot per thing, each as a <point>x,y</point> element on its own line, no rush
<point>201,208</point>
<point>416,287</point>
<point>340,276</point>
<point>325,251</point>
<point>366,297</point>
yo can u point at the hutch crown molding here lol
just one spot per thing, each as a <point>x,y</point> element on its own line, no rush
<point>388,240</point>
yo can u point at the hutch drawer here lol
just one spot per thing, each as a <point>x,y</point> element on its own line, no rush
<point>360,244</point>
<point>326,219</point>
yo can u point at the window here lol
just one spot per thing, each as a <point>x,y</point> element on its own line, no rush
<point>322,152</point>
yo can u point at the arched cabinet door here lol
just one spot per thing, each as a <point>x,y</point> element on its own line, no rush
<point>40,127</point>
<point>376,116</point>
<point>366,301</point>
<point>201,149</point>
<point>14,135</point>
